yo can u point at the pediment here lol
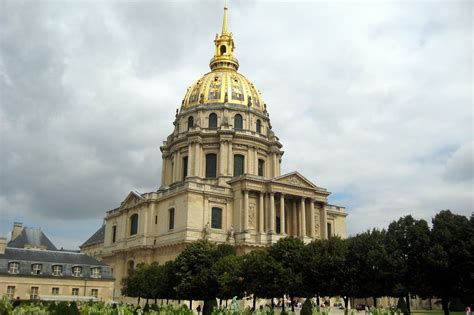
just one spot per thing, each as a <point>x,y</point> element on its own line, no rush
<point>131,200</point>
<point>295,179</point>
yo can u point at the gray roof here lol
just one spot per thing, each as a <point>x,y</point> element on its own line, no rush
<point>96,238</point>
<point>33,237</point>
<point>49,258</point>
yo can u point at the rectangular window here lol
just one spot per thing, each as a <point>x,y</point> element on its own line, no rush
<point>75,291</point>
<point>239,164</point>
<point>185,167</point>
<point>211,165</point>
<point>171,215</point>
<point>216,218</point>
<point>114,233</point>
<point>11,292</point>
<point>13,267</point>
<point>95,292</point>
<point>55,291</point>
<point>34,293</point>
<point>156,219</point>
<point>329,229</point>
<point>36,269</point>
<point>261,167</point>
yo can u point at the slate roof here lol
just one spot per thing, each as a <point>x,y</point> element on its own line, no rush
<point>33,237</point>
<point>49,258</point>
<point>96,238</point>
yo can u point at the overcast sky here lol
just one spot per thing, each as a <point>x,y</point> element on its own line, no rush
<point>371,100</point>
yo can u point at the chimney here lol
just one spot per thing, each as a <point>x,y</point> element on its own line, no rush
<point>17,228</point>
<point>3,245</point>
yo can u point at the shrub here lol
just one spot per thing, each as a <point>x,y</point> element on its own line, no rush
<point>307,308</point>
<point>402,306</point>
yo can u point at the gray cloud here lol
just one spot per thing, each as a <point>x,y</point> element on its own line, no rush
<point>371,100</point>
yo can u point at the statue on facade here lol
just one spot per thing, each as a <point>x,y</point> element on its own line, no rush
<point>207,231</point>
<point>230,233</point>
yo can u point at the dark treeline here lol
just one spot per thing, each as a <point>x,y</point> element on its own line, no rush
<point>407,259</point>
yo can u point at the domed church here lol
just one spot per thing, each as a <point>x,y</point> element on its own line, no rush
<point>221,180</point>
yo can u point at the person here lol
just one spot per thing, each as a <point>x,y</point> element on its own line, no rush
<point>17,302</point>
<point>468,310</point>
<point>367,311</point>
<point>198,309</point>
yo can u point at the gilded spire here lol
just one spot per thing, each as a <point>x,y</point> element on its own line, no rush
<point>225,27</point>
<point>224,53</point>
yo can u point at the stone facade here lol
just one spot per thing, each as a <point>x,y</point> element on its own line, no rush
<point>221,180</point>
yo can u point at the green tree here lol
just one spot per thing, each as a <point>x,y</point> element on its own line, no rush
<point>408,245</point>
<point>288,253</point>
<point>229,274</point>
<point>264,276</point>
<point>193,268</point>
<point>370,265</point>
<point>134,284</point>
<point>451,266</point>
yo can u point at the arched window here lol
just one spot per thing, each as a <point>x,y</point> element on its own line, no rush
<point>134,224</point>
<point>171,218</point>
<point>190,122</point>
<point>238,122</point>
<point>223,49</point>
<point>259,126</point>
<point>239,164</point>
<point>130,266</point>
<point>213,120</point>
<point>211,165</point>
<point>216,220</point>
<point>261,167</point>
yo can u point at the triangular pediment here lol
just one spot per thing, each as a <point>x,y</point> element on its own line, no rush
<point>295,179</point>
<point>131,200</point>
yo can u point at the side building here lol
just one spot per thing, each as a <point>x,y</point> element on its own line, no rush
<point>31,268</point>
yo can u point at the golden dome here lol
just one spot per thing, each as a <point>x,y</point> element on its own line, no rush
<point>223,84</point>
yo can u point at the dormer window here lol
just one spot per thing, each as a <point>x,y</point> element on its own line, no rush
<point>36,269</point>
<point>76,271</point>
<point>57,270</point>
<point>13,267</point>
<point>95,272</point>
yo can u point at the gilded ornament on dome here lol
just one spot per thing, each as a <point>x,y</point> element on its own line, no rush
<point>237,90</point>
<point>215,88</point>
<point>195,93</point>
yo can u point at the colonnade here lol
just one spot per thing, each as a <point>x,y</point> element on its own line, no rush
<point>289,212</point>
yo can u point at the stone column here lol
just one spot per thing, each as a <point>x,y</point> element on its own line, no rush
<point>191,159</point>
<point>222,159</point>
<point>197,159</point>
<point>163,168</point>
<point>274,167</point>
<point>295,218</point>
<point>272,213</point>
<point>230,160</point>
<point>246,211</point>
<point>282,214</point>
<point>303,217</point>
<point>324,223</point>
<point>311,220</point>
<point>261,215</point>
